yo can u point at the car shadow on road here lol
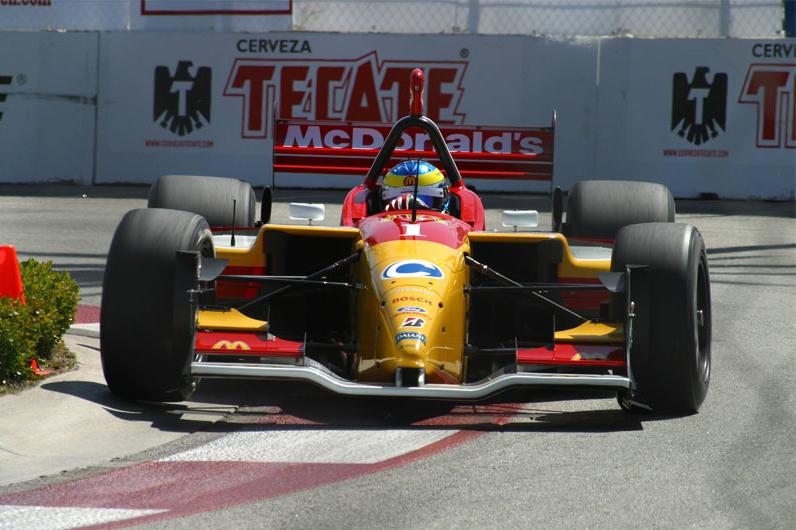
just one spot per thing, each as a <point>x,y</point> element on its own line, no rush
<point>171,417</point>
<point>226,406</point>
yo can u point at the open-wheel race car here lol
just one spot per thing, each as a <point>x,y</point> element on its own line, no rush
<point>411,296</point>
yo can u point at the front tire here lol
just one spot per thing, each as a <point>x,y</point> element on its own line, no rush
<point>670,356</point>
<point>146,336</point>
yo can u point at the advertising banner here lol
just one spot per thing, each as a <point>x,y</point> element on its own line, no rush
<point>706,117</point>
<point>205,104</point>
<point>146,15</point>
<point>48,87</point>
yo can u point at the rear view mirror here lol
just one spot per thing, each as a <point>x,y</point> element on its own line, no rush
<point>520,218</point>
<point>303,211</point>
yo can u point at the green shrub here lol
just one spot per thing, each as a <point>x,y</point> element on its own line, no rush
<point>32,330</point>
<point>51,297</point>
<point>17,345</point>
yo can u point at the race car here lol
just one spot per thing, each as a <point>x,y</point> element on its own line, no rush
<point>409,298</point>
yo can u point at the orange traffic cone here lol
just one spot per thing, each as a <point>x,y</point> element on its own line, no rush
<point>34,366</point>
<point>10,278</point>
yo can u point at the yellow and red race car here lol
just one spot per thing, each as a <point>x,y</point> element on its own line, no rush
<point>405,299</point>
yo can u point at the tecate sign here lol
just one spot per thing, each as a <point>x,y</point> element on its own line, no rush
<point>364,89</point>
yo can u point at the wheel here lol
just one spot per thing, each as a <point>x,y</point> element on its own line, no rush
<point>210,197</point>
<point>670,353</point>
<point>146,335</point>
<point>597,209</point>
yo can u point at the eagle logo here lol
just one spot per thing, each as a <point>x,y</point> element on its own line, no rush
<point>699,108</point>
<point>4,80</point>
<point>182,100</point>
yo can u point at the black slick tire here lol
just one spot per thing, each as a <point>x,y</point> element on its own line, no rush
<point>145,351</point>
<point>597,209</point>
<point>671,350</point>
<point>210,197</point>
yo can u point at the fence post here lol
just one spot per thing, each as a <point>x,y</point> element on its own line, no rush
<point>473,16</point>
<point>724,18</point>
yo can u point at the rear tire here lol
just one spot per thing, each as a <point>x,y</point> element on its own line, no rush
<point>597,209</point>
<point>146,338</point>
<point>210,197</point>
<point>670,355</point>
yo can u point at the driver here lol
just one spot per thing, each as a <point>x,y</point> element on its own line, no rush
<point>399,187</point>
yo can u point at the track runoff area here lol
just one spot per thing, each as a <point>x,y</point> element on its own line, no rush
<point>281,442</point>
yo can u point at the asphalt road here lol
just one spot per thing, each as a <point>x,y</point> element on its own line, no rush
<point>553,461</point>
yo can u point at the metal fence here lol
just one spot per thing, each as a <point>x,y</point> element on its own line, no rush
<point>552,18</point>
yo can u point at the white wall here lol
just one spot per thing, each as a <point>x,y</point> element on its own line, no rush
<point>636,140</point>
<point>614,98</point>
<point>47,125</point>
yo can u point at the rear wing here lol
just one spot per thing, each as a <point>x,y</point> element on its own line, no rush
<point>348,148</point>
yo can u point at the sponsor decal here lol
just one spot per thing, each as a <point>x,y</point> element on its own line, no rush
<point>774,50</point>
<point>413,322</point>
<point>772,88</point>
<point>182,100</point>
<point>5,80</point>
<point>411,309</point>
<point>228,345</point>
<point>461,139</point>
<point>699,106</point>
<point>415,299</point>
<point>411,230</point>
<point>273,46</point>
<point>410,335</point>
<point>412,268</point>
<point>365,89</point>
<point>31,3</point>
<point>413,289</point>
<point>203,7</point>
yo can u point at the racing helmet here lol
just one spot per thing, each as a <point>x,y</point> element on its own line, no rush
<point>400,181</point>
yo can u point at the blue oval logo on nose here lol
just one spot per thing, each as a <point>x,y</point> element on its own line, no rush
<point>412,268</point>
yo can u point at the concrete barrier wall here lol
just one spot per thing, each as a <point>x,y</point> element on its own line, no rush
<point>48,88</point>
<point>702,116</point>
<point>239,79</point>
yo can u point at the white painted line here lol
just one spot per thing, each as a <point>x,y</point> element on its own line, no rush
<point>56,518</point>
<point>85,330</point>
<point>313,446</point>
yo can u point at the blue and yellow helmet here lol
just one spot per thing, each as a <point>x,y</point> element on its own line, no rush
<point>431,187</point>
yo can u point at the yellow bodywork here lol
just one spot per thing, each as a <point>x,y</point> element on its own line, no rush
<point>437,344</point>
<point>388,335</point>
<point>228,319</point>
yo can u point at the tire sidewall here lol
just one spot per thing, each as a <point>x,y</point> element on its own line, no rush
<point>143,356</point>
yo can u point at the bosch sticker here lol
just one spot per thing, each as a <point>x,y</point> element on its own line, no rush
<point>413,322</point>
<point>410,335</point>
<point>412,268</point>
<point>411,309</point>
<point>415,299</point>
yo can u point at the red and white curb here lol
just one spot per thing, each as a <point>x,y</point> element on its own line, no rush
<point>46,518</point>
<point>86,322</point>
<point>254,464</point>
